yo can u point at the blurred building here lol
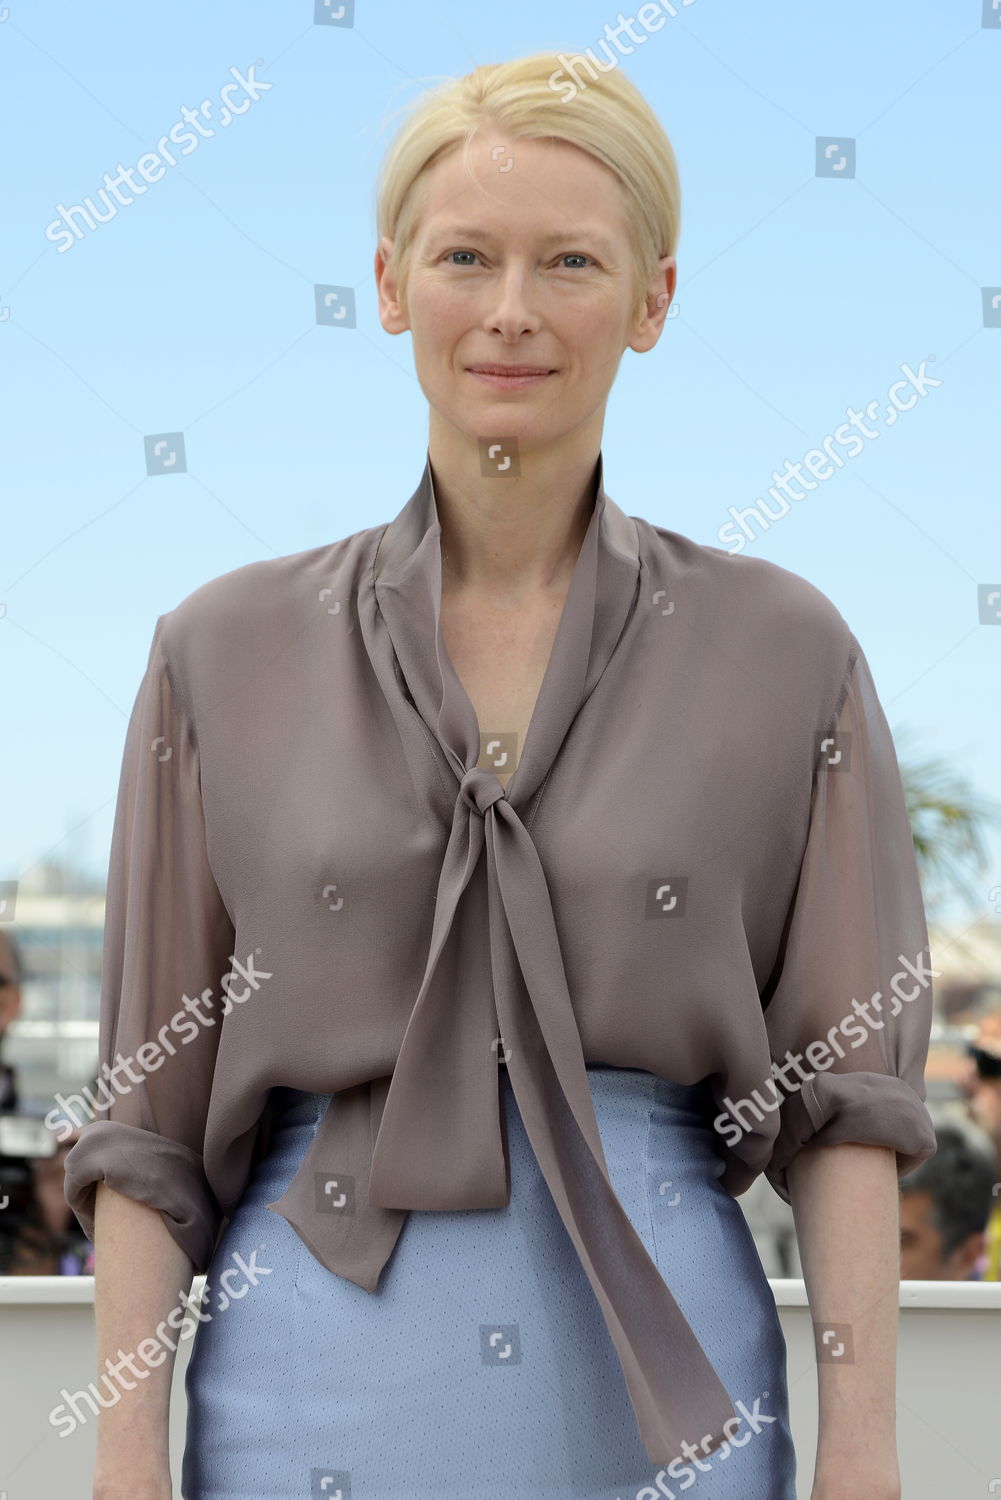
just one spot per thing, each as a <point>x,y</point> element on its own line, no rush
<point>58,922</point>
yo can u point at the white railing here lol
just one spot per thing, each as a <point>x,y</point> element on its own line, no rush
<point>948,1387</point>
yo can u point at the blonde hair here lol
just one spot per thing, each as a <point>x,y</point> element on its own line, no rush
<point>609,118</point>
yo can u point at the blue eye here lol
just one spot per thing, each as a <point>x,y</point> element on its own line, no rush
<point>569,255</point>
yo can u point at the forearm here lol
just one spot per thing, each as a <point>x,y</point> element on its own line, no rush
<point>140,1273</point>
<point>846,1206</point>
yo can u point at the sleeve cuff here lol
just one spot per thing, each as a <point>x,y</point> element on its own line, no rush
<point>874,1109</point>
<point>151,1169</point>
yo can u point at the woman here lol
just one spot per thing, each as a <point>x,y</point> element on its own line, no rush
<point>508,834</point>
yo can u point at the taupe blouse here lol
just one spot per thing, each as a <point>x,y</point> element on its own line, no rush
<point>702,867</point>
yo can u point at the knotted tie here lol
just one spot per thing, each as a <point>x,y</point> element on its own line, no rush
<point>429,1135</point>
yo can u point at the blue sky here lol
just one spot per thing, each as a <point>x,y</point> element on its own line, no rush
<point>192,310</point>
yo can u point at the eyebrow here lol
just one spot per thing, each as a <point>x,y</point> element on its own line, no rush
<point>479,232</point>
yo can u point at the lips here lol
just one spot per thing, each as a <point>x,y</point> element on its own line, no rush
<point>510,370</point>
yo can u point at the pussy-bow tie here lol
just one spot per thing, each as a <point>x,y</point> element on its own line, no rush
<point>494,993</point>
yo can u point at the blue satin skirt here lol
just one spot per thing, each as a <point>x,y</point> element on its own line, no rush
<point>481,1368</point>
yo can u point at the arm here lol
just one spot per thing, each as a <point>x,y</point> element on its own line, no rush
<point>139,1274</point>
<point>851,994</point>
<point>167,936</point>
<point>845,1202</point>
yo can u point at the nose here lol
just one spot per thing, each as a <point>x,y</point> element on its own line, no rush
<point>513,310</point>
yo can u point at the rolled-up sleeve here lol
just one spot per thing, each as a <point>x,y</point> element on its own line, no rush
<point>168,941</point>
<point>848,1008</point>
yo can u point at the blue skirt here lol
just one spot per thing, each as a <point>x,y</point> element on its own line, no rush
<point>482,1367</point>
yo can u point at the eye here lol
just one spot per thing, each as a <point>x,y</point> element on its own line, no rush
<point>569,255</point>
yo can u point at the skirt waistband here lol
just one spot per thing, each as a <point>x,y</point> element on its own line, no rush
<point>294,1107</point>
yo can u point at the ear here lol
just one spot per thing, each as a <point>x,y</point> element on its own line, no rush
<point>965,1256</point>
<point>391,312</point>
<point>660,294</point>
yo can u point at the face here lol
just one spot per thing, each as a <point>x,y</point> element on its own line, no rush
<point>526,262</point>
<point>985,1105</point>
<point>921,1256</point>
<point>984,1094</point>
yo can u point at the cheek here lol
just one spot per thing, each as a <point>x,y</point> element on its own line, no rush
<point>594,339</point>
<point>440,306</point>
<point>440,344</point>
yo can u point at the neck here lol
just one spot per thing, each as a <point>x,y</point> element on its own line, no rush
<point>508,536</point>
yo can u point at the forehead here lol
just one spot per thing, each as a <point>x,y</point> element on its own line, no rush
<point>548,184</point>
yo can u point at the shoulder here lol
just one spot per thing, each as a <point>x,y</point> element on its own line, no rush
<point>224,625</point>
<point>750,606</point>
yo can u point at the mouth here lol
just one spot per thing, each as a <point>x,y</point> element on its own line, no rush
<point>510,377</point>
